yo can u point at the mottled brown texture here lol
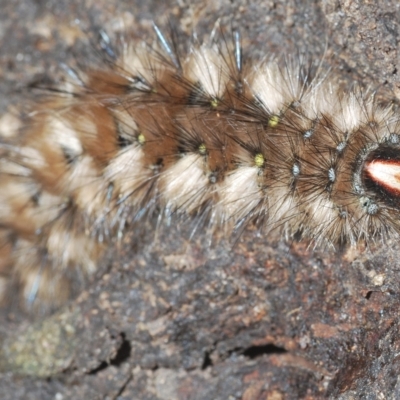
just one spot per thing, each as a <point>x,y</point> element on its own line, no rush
<point>367,33</point>
<point>174,318</point>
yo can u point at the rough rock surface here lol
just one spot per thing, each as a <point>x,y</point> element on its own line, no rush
<point>212,317</point>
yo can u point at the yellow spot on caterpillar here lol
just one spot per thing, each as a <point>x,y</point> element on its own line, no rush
<point>273,121</point>
<point>203,149</point>
<point>141,139</point>
<point>259,160</point>
<point>214,103</point>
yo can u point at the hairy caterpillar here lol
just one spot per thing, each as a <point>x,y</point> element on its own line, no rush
<point>201,133</point>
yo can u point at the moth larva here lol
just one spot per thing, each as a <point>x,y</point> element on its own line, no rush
<point>203,134</point>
